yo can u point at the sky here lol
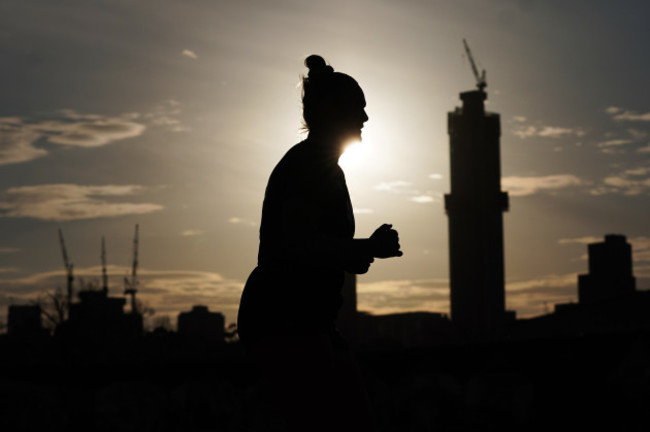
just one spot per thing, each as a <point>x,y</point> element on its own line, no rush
<point>172,114</point>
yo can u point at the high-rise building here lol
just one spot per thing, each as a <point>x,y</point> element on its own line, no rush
<point>475,209</point>
<point>610,271</point>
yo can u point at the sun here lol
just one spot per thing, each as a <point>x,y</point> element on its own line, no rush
<point>355,154</point>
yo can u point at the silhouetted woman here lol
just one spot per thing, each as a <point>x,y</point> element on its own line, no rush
<point>291,299</point>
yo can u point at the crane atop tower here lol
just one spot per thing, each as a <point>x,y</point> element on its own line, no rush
<point>131,286</point>
<point>480,78</point>
<point>68,269</point>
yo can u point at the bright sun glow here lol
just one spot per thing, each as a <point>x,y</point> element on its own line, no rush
<point>355,155</point>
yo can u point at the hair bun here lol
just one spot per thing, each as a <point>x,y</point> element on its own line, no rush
<point>317,66</point>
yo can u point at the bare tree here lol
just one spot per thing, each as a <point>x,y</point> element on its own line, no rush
<point>54,307</point>
<point>163,322</point>
<point>231,334</point>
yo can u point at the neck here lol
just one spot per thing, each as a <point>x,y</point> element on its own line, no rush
<point>332,144</point>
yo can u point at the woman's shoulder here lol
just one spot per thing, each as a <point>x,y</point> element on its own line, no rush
<point>297,159</point>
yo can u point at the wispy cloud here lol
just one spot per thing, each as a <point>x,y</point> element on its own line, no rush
<point>19,136</point>
<point>241,221</point>
<point>64,202</point>
<point>396,186</point>
<point>8,270</point>
<point>522,186</point>
<point>88,132</point>
<point>645,149</point>
<point>189,53</point>
<point>406,188</point>
<point>558,132</point>
<point>580,240</point>
<point>166,115</point>
<point>614,142</point>
<point>17,143</point>
<point>529,297</point>
<point>524,131</point>
<point>191,233</point>
<point>422,199</point>
<point>394,296</point>
<point>632,116</point>
<point>632,181</point>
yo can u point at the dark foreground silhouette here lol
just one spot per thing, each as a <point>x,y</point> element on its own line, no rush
<point>306,245</point>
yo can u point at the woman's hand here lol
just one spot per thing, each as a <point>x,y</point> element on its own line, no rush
<point>385,242</point>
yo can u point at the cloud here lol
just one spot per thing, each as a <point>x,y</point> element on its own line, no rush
<point>637,134</point>
<point>554,132</point>
<point>529,297</point>
<point>238,220</point>
<point>168,292</point>
<point>395,296</point>
<point>640,250</point>
<point>21,139</point>
<point>64,202</point>
<point>629,182</point>
<point>637,171</point>
<point>88,133</point>
<point>166,115</point>
<point>8,270</point>
<point>525,132</point>
<point>580,240</point>
<point>631,116</point>
<point>613,110</point>
<point>396,186</point>
<point>19,136</point>
<point>191,233</point>
<point>645,149</point>
<point>422,199</point>
<point>614,142</point>
<point>435,176</point>
<point>558,132</point>
<point>189,53</point>
<point>16,143</point>
<point>522,186</point>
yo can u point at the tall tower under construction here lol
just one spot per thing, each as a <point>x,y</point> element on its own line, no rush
<point>475,209</point>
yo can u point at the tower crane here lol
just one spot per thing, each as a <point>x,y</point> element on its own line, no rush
<point>480,79</point>
<point>131,286</point>
<point>104,273</point>
<point>68,268</point>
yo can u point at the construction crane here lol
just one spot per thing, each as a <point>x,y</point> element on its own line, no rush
<point>68,268</point>
<point>131,286</point>
<point>480,79</point>
<point>104,273</point>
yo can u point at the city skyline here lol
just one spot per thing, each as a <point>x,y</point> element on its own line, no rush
<point>173,117</point>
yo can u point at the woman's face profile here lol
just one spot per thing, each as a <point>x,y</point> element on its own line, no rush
<point>353,116</point>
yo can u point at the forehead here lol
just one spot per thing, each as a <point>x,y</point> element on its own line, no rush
<point>350,91</point>
<point>354,95</point>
